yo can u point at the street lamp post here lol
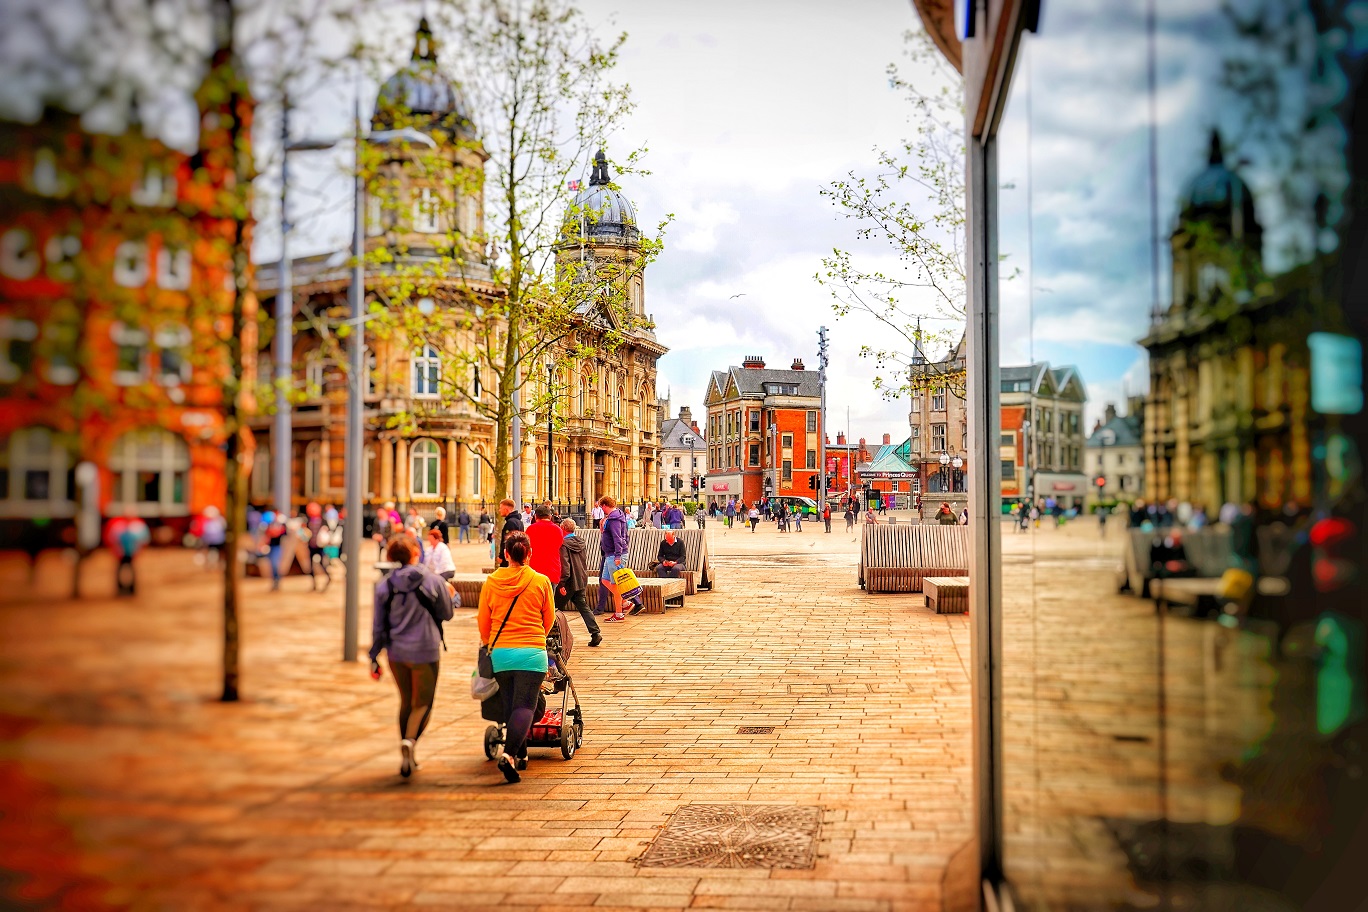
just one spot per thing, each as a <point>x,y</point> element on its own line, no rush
<point>550,444</point>
<point>956,463</point>
<point>693,471</point>
<point>284,315</point>
<point>351,536</point>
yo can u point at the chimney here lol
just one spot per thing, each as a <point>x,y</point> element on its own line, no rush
<point>797,364</point>
<point>755,362</point>
<point>1111,413</point>
<point>887,440</point>
<point>686,415</point>
<point>840,438</point>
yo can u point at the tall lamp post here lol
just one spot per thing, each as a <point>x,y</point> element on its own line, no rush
<point>693,470</point>
<point>284,315</point>
<point>956,463</point>
<point>550,444</point>
<point>351,536</point>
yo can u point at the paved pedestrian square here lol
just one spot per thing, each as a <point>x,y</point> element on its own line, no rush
<point>126,783</point>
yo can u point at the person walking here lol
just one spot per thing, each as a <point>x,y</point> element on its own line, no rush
<point>439,522</point>
<point>486,525</point>
<point>410,606</point>
<point>731,512</point>
<point>572,589</point>
<point>126,536</point>
<point>318,539</point>
<point>387,523</point>
<point>850,516</point>
<point>826,516</point>
<point>275,544</point>
<point>797,518</point>
<point>437,557</point>
<point>754,517</point>
<point>546,538</point>
<point>597,516</point>
<point>213,533</point>
<point>613,548</point>
<point>513,522</point>
<point>946,516</point>
<point>463,526</point>
<point>516,612</point>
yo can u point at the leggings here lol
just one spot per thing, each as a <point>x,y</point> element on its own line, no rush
<point>519,690</point>
<point>417,682</point>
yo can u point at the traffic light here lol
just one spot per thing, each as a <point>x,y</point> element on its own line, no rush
<point>1100,481</point>
<point>676,482</point>
<point>693,482</point>
<point>812,482</point>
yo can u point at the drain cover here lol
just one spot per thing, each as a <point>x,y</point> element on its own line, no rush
<point>737,836</point>
<point>755,730</point>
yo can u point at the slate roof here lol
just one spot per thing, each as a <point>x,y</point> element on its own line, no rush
<point>750,381</point>
<point>1127,429</point>
<point>672,432</point>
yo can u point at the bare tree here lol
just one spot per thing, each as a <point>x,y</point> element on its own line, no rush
<point>913,203</point>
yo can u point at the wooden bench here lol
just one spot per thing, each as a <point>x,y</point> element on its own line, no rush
<point>897,558</point>
<point>468,587</point>
<point>656,594</point>
<point>947,594</point>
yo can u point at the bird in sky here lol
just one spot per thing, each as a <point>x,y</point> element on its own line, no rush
<point>735,296</point>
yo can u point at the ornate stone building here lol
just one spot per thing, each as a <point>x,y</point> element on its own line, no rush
<point>429,440</point>
<point>1226,418</point>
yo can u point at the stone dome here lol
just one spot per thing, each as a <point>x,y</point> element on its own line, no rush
<point>605,212</point>
<point>1218,192</point>
<point>420,94</point>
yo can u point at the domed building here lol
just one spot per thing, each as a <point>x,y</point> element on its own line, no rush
<point>429,437</point>
<point>1226,417</point>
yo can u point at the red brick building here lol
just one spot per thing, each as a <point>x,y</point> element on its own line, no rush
<point>764,431</point>
<point>115,287</point>
<point>1012,452</point>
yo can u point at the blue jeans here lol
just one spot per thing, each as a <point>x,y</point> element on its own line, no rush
<point>273,555</point>
<point>465,534</point>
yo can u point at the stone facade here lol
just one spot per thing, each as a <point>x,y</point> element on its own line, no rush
<point>1047,405</point>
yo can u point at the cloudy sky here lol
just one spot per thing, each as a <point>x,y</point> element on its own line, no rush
<point>747,110</point>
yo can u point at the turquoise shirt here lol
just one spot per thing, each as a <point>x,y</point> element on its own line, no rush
<point>519,658</point>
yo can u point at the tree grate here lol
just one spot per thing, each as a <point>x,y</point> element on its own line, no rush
<point>737,836</point>
<point>755,730</point>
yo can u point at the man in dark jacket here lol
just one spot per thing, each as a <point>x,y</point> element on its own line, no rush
<point>669,557</point>
<point>512,522</point>
<point>463,525</point>
<point>574,580</point>
<point>439,522</point>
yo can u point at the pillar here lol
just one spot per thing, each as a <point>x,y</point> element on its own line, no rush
<point>634,469</point>
<point>325,473</point>
<point>588,476</point>
<point>402,488</point>
<point>386,448</point>
<point>453,472</point>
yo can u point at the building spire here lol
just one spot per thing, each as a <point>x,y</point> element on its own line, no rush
<point>600,172</point>
<point>424,48</point>
<point>1215,156</point>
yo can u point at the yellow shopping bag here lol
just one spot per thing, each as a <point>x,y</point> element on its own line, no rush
<point>628,587</point>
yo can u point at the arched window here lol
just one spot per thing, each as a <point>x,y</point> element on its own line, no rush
<point>427,371</point>
<point>427,462</point>
<point>583,403</point>
<point>35,474</point>
<point>313,469</point>
<point>151,469</point>
<point>617,404</point>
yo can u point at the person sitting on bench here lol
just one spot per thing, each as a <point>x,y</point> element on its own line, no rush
<point>670,558</point>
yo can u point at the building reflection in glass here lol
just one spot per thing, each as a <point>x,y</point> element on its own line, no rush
<point>1184,697</point>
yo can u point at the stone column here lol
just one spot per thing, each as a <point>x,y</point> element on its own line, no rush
<point>453,473</point>
<point>402,488</point>
<point>386,448</point>
<point>634,469</point>
<point>325,475</point>
<point>589,496</point>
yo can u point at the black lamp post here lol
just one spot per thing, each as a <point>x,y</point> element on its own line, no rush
<point>550,443</point>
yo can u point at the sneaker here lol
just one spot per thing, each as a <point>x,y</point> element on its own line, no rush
<point>595,639</point>
<point>406,758</point>
<point>521,763</point>
<point>507,767</point>
<point>616,617</point>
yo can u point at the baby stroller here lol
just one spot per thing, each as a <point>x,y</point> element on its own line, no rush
<point>561,727</point>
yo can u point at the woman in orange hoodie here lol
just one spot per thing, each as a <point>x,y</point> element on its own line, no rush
<point>516,613</point>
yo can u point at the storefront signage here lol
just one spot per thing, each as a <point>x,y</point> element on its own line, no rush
<point>721,486</point>
<point>1063,487</point>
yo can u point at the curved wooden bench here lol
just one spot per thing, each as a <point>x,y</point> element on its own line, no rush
<point>897,558</point>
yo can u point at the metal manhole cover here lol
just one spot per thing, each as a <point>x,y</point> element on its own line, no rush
<point>755,730</point>
<point>737,836</point>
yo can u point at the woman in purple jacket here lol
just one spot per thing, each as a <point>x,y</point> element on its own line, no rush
<point>410,606</point>
<point>613,545</point>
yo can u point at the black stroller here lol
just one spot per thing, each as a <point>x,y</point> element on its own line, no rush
<point>561,727</point>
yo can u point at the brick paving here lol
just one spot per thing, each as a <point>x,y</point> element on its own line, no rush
<point>147,792</point>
